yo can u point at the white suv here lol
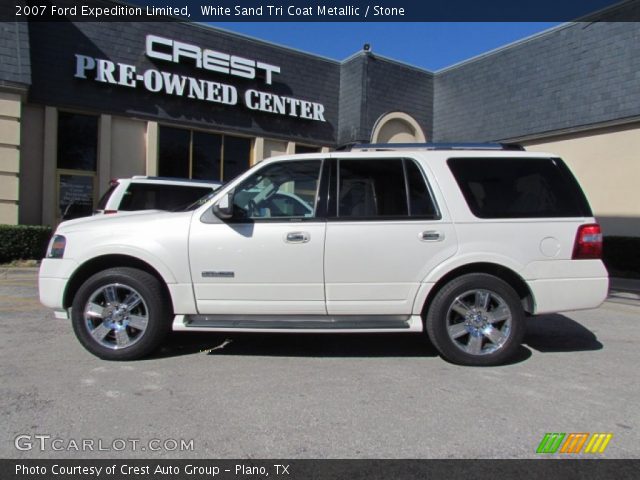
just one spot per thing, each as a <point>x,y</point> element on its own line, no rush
<point>459,241</point>
<point>152,193</point>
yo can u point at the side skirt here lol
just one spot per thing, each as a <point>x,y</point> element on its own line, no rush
<point>298,323</point>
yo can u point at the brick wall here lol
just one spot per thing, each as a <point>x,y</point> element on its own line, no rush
<point>15,66</point>
<point>372,86</point>
<point>577,75</point>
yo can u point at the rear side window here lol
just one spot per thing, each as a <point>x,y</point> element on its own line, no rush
<point>149,196</point>
<point>519,187</point>
<point>371,189</point>
<point>421,202</point>
<point>382,188</point>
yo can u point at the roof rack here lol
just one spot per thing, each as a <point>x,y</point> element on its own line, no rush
<point>365,147</point>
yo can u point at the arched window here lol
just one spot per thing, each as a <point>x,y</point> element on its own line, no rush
<point>397,127</point>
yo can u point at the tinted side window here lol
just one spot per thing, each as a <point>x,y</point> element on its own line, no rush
<point>421,203</point>
<point>371,188</point>
<point>148,196</point>
<point>290,206</point>
<point>281,190</point>
<point>519,187</point>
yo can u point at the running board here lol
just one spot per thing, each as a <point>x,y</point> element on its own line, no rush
<point>298,323</point>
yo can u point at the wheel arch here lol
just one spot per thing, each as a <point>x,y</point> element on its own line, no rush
<point>500,271</point>
<point>104,262</point>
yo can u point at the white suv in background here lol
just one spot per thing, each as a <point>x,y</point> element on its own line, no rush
<point>459,241</point>
<point>153,193</point>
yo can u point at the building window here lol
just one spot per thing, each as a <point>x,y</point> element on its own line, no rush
<point>236,155</point>
<point>77,141</point>
<point>205,156</point>
<point>76,165</point>
<point>174,152</point>
<point>306,149</point>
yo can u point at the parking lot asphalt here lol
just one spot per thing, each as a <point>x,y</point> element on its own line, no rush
<point>312,396</point>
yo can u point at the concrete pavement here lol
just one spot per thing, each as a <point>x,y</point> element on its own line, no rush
<point>315,396</point>
<point>624,290</point>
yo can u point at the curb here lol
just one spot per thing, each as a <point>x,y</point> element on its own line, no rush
<point>6,271</point>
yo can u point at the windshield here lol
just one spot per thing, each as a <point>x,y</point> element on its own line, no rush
<point>193,205</point>
<point>102,203</point>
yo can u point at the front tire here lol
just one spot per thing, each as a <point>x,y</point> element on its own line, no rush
<point>476,319</point>
<point>121,314</point>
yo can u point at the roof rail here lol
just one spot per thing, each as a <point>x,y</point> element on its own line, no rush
<point>365,147</point>
<point>346,147</point>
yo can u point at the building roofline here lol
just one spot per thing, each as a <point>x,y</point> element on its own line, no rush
<point>589,17</point>
<point>550,134</point>
<point>205,26</point>
<point>361,53</point>
<point>586,18</point>
<point>303,52</point>
<point>354,55</point>
<point>508,46</point>
<point>251,38</point>
<point>14,87</point>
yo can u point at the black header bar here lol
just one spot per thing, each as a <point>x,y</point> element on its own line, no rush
<point>321,11</point>
<point>285,469</point>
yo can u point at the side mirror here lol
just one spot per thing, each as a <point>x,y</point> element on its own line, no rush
<point>223,209</point>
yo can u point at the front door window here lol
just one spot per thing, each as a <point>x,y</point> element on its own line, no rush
<point>285,190</point>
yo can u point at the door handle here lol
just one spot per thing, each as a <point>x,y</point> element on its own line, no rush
<point>297,237</point>
<point>431,236</point>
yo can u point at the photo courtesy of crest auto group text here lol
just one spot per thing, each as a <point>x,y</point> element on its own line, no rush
<point>240,242</point>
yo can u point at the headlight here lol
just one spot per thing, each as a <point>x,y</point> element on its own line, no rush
<point>56,246</point>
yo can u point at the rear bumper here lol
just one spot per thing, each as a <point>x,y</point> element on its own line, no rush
<point>558,295</point>
<point>562,285</point>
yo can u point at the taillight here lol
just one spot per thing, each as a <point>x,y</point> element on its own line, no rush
<point>588,242</point>
<point>107,212</point>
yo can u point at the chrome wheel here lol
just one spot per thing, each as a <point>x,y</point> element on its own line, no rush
<point>479,322</point>
<point>116,316</point>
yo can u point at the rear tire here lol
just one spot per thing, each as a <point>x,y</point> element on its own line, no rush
<point>477,320</point>
<point>121,314</point>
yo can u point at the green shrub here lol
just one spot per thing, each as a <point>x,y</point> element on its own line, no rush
<point>23,242</point>
<point>622,256</point>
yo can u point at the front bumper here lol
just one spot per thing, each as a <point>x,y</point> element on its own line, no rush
<point>52,281</point>
<point>62,314</point>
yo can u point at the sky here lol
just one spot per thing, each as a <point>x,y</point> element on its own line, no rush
<point>431,46</point>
